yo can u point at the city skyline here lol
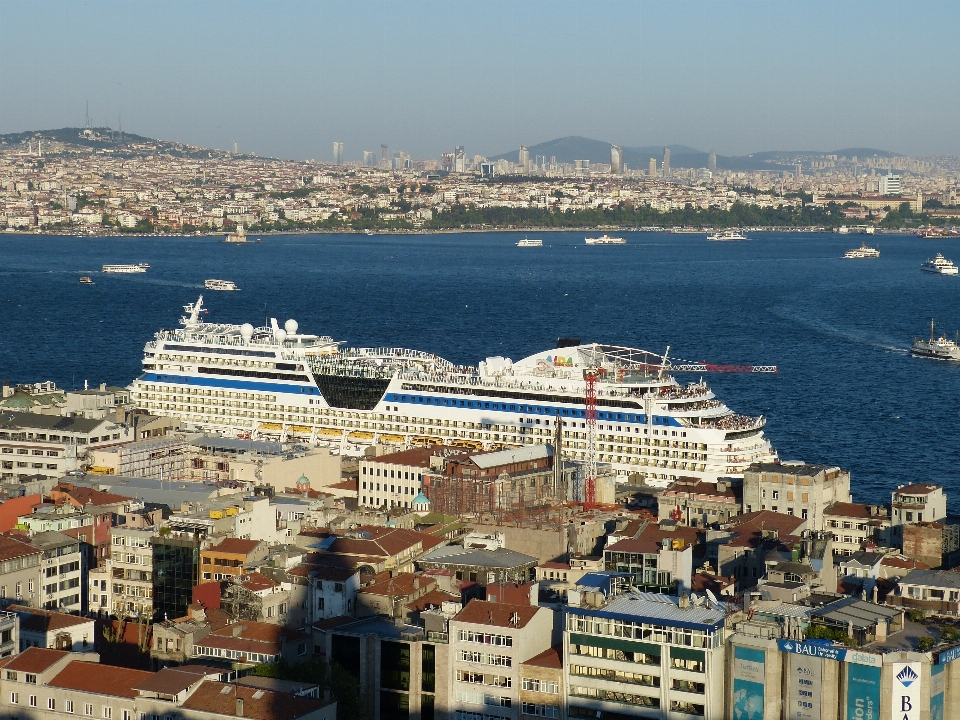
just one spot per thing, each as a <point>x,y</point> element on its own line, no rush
<point>426,77</point>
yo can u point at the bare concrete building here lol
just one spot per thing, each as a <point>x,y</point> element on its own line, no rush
<point>795,489</point>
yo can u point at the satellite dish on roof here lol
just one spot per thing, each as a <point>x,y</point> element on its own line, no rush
<point>713,598</point>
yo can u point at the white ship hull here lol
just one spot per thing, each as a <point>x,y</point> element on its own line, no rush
<point>647,424</point>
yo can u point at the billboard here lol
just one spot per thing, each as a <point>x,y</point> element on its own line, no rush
<point>748,670</point>
<point>905,698</point>
<point>804,688</point>
<point>863,692</point>
<point>937,687</point>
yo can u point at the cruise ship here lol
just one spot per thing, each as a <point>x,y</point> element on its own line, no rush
<point>276,383</point>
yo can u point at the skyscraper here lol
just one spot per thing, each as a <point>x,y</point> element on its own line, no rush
<point>459,159</point>
<point>524,158</point>
<point>337,153</point>
<point>581,167</point>
<point>616,160</point>
<point>369,158</point>
<point>384,157</point>
<point>890,185</point>
<point>652,168</point>
<point>712,162</point>
<point>666,161</point>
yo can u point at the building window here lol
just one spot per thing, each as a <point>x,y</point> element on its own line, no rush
<point>107,713</point>
<point>14,697</point>
<point>51,704</point>
<point>68,706</point>
<point>32,679</point>
<point>33,701</point>
<point>88,710</point>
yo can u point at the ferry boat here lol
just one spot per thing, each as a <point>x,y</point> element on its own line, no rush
<point>862,252</point>
<point>138,268</point>
<point>940,348</point>
<point>939,265</point>
<point>527,242</point>
<point>225,285</point>
<point>605,240</point>
<point>277,383</point>
<point>237,236</point>
<point>726,235</point>
<point>85,280</point>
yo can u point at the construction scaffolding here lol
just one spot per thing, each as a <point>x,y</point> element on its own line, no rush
<point>162,457</point>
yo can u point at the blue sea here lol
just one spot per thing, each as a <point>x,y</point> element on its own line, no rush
<point>848,392</point>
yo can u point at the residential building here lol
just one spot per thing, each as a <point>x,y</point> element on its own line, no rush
<point>744,546</point>
<point>63,573</point>
<point>47,629</point>
<point>488,644</point>
<point>256,597</point>
<point>919,502</point>
<point>933,591</point>
<point>20,570</point>
<point>232,515</point>
<point>131,572</point>
<point>32,444</point>
<point>855,525</point>
<point>542,690</point>
<point>252,642</point>
<point>699,503</point>
<point>795,489</point>
<point>230,558</point>
<point>658,559</point>
<point>395,479</point>
<point>43,684</point>
<point>9,634</point>
<point>642,654</point>
<point>389,595</point>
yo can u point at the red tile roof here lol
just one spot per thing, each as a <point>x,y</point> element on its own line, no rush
<point>36,659</point>
<point>549,658</point>
<point>236,546</point>
<point>917,489</point>
<point>400,585</point>
<point>481,612</point>
<point>258,704</point>
<point>650,540</point>
<point>45,620</point>
<point>434,598</point>
<point>11,548</point>
<point>103,679</point>
<point>855,510</point>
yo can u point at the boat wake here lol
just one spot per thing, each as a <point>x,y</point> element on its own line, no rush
<point>824,328</point>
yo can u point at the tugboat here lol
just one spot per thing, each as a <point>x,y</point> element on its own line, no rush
<point>941,348</point>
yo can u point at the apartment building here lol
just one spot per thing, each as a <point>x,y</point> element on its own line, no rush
<point>131,572</point>
<point>643,655</point>
<point>855,525</point>
<point>699,503</point>
<point>488,644</point>
<point>919,502</point>
<point>795,489</point>
<point>9,633</point>
<point>32,444</point>
<point>659,558</point>
<point>47,629</point>
<point>394,480</point>
<point>230,558</point>
<point>176,569</point>
<point>43,684</point>
<point>63,573</point>
<point>19,572</point>
<point>542,691</point>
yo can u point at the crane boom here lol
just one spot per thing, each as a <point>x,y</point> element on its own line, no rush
<point>711,367</point>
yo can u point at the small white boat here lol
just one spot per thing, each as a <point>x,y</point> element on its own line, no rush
<point>605,240</point>
<point>138,268</point>
<point>939,265</point>
<point>527,242</point>
<point>725,235</point>
<point>941,348</point>
<point>862,252</point>
<point>85,280</point>
<point>224,285</point>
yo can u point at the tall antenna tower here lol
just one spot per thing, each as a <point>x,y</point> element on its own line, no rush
<point>87,122</point>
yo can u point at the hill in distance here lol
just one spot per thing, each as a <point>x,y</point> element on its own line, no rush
<point>568,149</point>
<point>104,139</point>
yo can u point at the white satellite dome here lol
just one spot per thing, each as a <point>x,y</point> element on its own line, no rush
<point>291,326</point>
<point>246,331</point>
<point>280,334</point>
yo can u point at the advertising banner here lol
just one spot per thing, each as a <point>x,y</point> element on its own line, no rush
<point>937,687</point>
<point>828,651</point>
<point>905,703</point>
<point>748,683</point>
<point>863,692</point>
<point>804,690</point>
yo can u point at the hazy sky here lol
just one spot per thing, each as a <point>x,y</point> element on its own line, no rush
<point>289,78</point>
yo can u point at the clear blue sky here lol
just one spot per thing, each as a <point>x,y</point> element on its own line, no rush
<point>289,78</point>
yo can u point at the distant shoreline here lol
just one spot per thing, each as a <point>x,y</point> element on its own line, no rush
<point>456,231</point>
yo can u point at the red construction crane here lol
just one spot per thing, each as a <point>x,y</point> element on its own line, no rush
<point>590,403</point>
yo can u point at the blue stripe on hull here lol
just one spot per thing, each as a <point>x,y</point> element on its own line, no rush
<point>213,382</point>
<point>523,408</point>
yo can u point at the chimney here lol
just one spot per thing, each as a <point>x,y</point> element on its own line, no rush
<point>881,631</point>
<point>103,387</point>
<point>239,712</point>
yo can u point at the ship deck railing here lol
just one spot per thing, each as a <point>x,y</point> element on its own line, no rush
<point>729,422</point>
